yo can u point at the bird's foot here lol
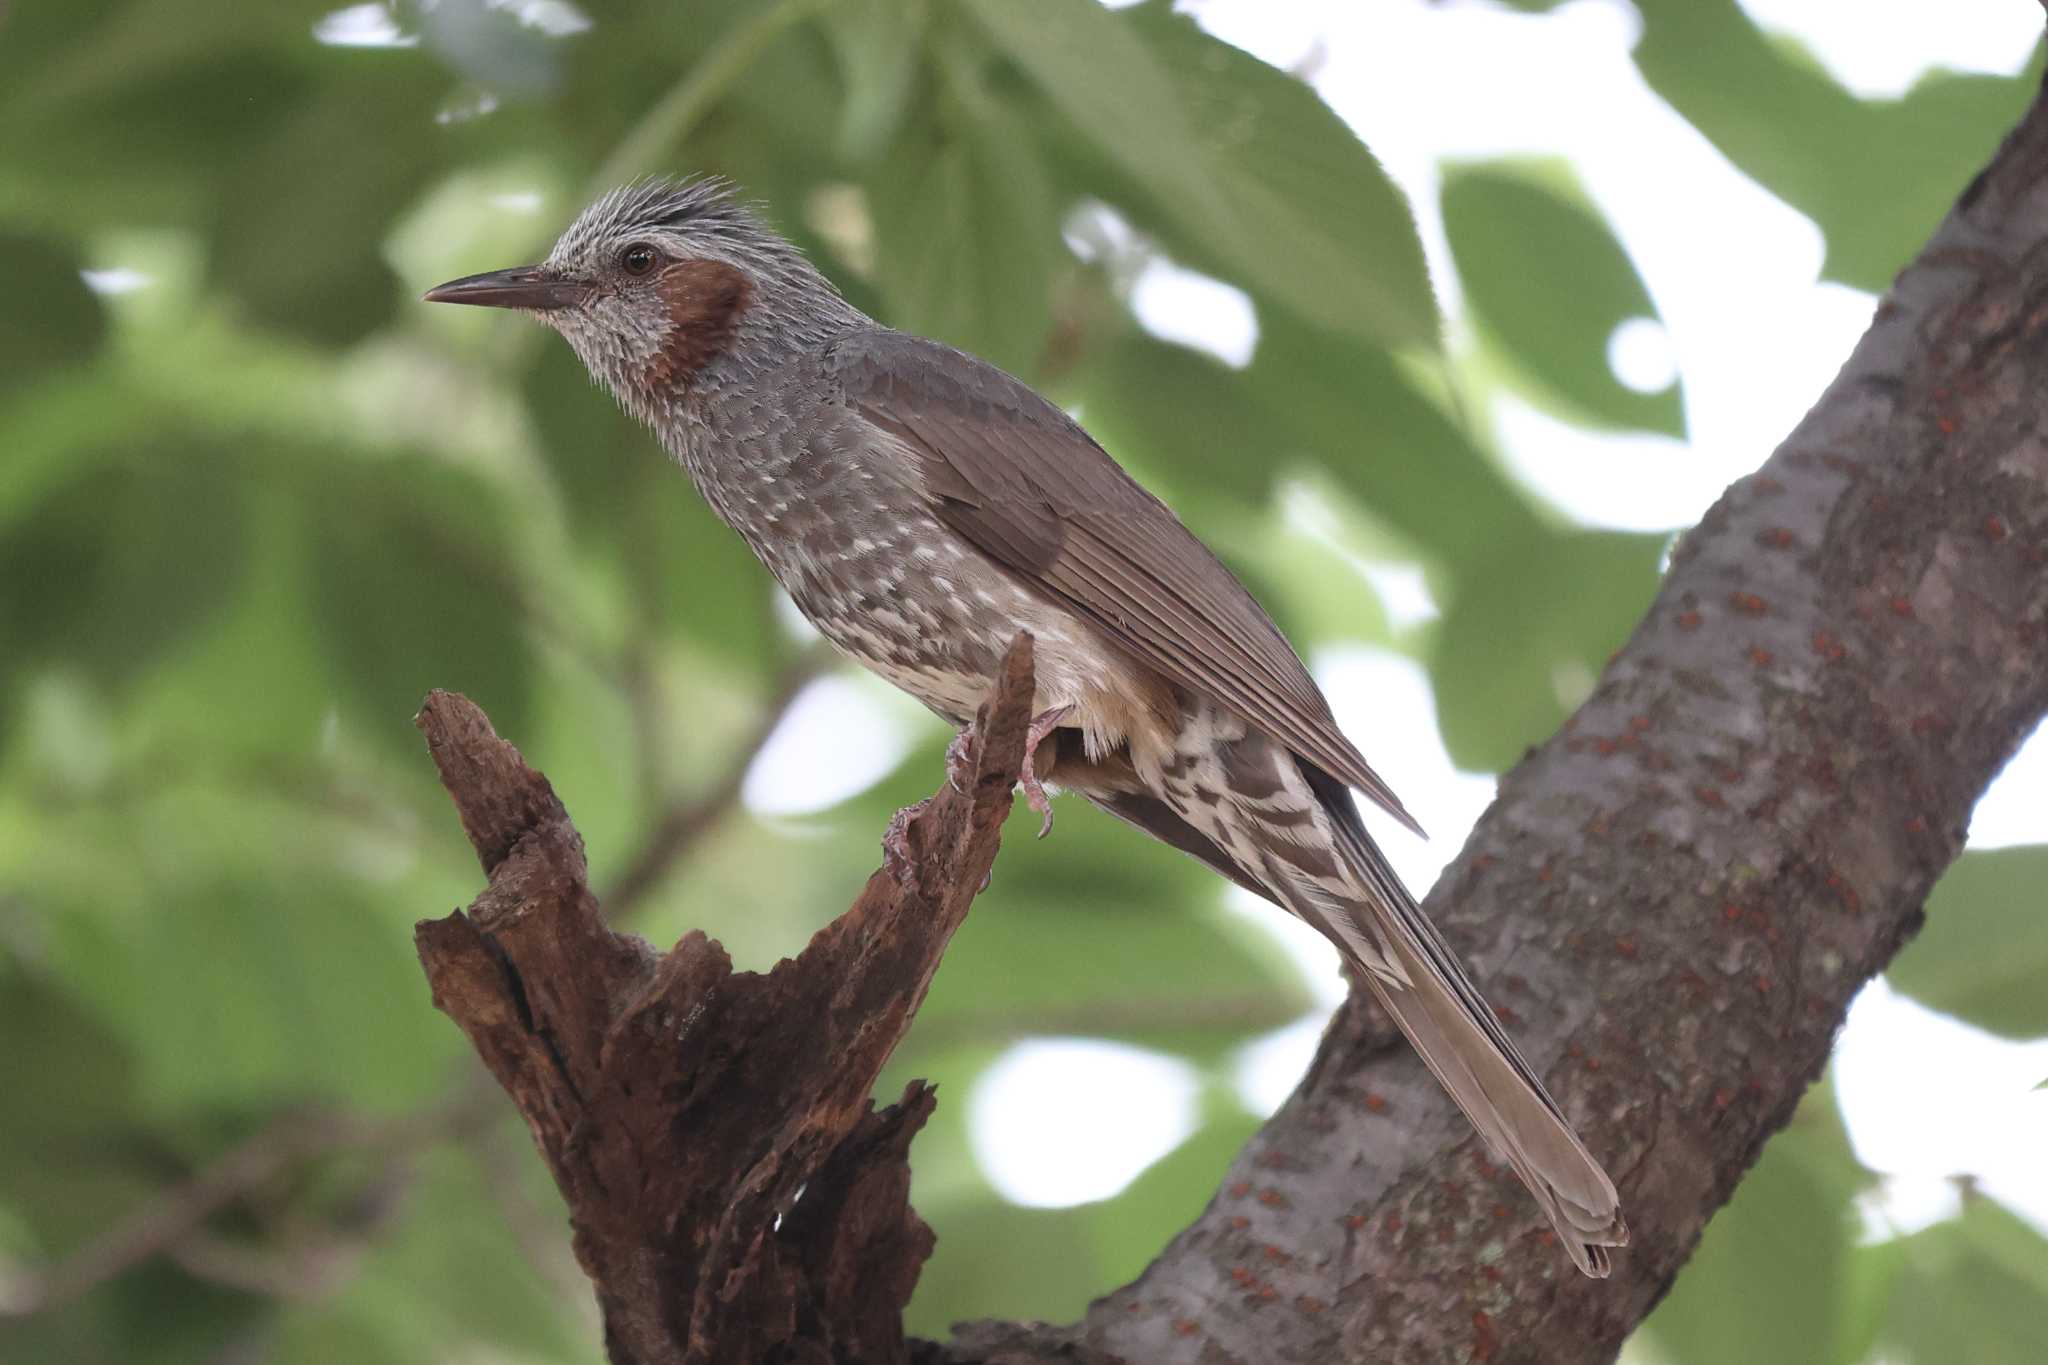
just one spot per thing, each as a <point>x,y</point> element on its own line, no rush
<point>897,855</point>
<point>1042,725</point>
<point>960,762</point>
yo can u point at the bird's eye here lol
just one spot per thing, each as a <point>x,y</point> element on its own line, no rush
<point>637,259</point>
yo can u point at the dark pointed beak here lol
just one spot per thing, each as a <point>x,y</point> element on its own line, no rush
<point>524,286</point>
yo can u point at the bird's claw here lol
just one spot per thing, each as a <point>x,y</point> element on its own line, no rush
<point>960,762</point>
<point>897,855</point>
<point>1042,725</point>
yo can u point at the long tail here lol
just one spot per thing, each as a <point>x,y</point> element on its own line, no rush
<point>1292,832</point>
<point>1466,1048</point>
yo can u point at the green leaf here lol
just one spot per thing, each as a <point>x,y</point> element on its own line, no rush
<point>1528,633</point>
<point>1548,281</point>
<point>1240,167</point>
<point>415,586</point>
<point>301,227</point>
<point>1192,428</point>
<point>995,1259</point>
<point>967,236</point>
<point>51,320</point>
<point>1984,953</point>
<point>115,565</point>
<point>1359,415</point>
<point>878,44</point>
<point>1876,175</point>
<point>1318,226</point>
<point>453,1274</point>
<point>65,1163</point>
<point>1974,1288</point>
<point>254,990</point>
<point>1770,1283</point>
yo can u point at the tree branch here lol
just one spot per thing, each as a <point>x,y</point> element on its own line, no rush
<point>734,1193</point>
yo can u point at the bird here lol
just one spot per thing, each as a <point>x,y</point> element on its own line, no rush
<point>921,507</point>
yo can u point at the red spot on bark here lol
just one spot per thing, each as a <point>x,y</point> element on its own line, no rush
<point>1243,1277</point>
<point>1240,1222</point>
<point>1747,602</point>
<point>1605,746</point>
<point>1731,913</point>
<point>1375,1102</point>
<point>1484,1343</point>
<point>1827,646</point>
<point>1689,620</point>
<point>1994,527</point>
<point>1638,723</point>
<point>1500,1210</point>
<point>1354,1221</point>
<point>1592,1063</point>
<point>1926,723</point>
<point>1240,1190</point>
<point>1392,1222</point>
<point>1778,538</point>
<point>1916,826</point>
<point>1626,946</point>
<point>1309,1303</point>
<point>1763,985</point>
<point>1274,1253</point>
<point>1709,796</point>
<point>1902,606</point>
<point>1760,656</point>
<point>1946,423</point>
<point>1273,1199</point>
<point>1766,484</point>
<point>1723,1098</point>
<point>1187,1327</point>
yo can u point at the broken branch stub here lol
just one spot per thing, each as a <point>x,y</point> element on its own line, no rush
<point>682,1106</point>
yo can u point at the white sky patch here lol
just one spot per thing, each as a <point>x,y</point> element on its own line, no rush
<point>1180,305</point>
<point>1641,357</point>
<point>1404,593</point>
<point>555,18</point>
<point>1055,1122</point>
<point>1266,1070</point>
<point>1879,48</point>
<point>362,26</point>
<point>2014,810</point>
<point>1620,480</point>
<point>837,740</point>
<point>518,201</point>
<point>118,280</point>
<point>1927,1096</point>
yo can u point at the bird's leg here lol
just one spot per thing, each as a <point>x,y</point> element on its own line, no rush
<point>1042,725</point>
<point>897,855</point>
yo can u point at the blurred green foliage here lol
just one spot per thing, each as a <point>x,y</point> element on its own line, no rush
<point>252,509</point>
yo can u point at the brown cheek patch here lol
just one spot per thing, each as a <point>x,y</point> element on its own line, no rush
<point>705,300</point>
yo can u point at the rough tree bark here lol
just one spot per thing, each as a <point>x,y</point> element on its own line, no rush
<point>733,1192</point>
<point>1673,900</point>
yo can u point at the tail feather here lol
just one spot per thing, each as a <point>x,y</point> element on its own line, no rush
<point>1255,812</point>
<point>1464,1045</point>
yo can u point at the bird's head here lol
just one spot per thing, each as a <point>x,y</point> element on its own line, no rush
<point>656,284</point>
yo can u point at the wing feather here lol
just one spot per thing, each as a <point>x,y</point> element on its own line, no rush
<point>1019,479</point>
